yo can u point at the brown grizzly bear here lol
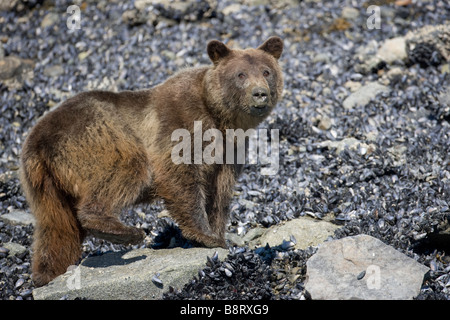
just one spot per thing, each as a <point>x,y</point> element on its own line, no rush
<point>100,151</point>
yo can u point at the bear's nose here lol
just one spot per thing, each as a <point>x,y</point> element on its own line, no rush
<point>260,95</point>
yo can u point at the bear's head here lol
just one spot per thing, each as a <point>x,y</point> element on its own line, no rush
<point>244,86</point>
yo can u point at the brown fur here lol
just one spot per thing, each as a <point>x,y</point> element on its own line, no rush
<point>101,151</point>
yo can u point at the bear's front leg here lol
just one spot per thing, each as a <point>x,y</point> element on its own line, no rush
<point>220,197</point>
<point>186,194</point>
<point>193,221</point>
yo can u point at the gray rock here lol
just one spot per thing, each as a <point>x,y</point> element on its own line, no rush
<point>348,143</point>
<point>50,19</point>
<point>444,97</point>
<point>362,267</point>
<point>9,66</point>
<point>232,8</point>
<point>143,4</point>
<point>352,85</point>
<point>235,239</point>
<point>137,274</point>
<point>18,217</point>
<point>320,57</point>
<point>398,155</point>
<point>389,51</point>
<point>392,50</point>
<point>188,10</point>
<point>306,231</point>
<point>253,234</point>
<point>8,5</point>
<point>53,71</point>
<point>14,71</point>
<point>325,123</point>
<point>15,249</point>
<point>8,175</point>
<point>136,17</point>
<point>350,13</point>
<point>363,96</point>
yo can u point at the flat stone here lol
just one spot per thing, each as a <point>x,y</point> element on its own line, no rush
<point>352,85</point>
<point>8,5</point>
<point>392,50</point>
<point>15,249</point>
<point>50,19</point>
<point>325,123</point>
<point>362,267</point>
<point>232,8</point>
<point>142,274</point>
<point>18,217</point>
<point>14,71</point>
<point>53,71</point>
<point>350,13</point>
<point>444,97</point>
<point>178,5</point>
<point>306,231</point>
<point>363,96</point>
<point>9,66</point>
<point>348,143</point>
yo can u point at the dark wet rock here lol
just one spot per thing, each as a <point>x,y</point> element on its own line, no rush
<point>9,66</point>
<point>429,46</point>
<point>19,5</point>
<point>14,71</point>
<point>176,10</point>
<point>426,54</point>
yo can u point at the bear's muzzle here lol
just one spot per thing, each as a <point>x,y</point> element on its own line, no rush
<point>260,96</point>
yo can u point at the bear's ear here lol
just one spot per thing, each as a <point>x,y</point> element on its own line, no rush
<point>217,51</point>
<point>273,46</point>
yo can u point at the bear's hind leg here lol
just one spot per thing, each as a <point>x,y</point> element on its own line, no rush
<point>58,234</point>
<point>54,250</point>
<point>100,221</point>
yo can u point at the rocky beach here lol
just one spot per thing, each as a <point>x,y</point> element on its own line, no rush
<point>364,146</point>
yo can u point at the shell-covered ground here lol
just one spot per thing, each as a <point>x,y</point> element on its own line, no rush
<point>394,185</point>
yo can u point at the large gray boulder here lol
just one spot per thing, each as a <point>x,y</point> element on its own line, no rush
<point>362,267</point>
<point>306,232</point>
<point>363,95</point>
<point>137,274</point>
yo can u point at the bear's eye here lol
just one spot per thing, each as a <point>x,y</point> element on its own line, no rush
<point>241,76</point>
<point>266,73</point>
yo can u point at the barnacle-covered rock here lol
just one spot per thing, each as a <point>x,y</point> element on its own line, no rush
<point>429,46</point>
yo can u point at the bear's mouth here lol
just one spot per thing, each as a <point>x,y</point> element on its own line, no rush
<point>259,110</point>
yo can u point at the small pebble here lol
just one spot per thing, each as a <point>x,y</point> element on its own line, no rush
<point>361,275</point>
